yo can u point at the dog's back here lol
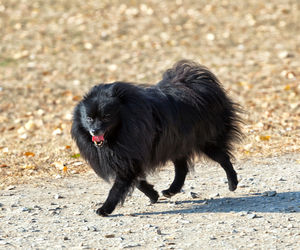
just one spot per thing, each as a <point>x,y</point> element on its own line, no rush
<point>198,112</point>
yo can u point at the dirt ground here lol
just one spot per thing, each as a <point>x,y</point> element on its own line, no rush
<point>263,213</point>
<point>52,52</point>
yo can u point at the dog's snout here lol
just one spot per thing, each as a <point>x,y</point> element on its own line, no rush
<point>96,131</point>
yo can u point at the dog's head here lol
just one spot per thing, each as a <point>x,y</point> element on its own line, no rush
<point>100,113</point>
<point>106,105</point>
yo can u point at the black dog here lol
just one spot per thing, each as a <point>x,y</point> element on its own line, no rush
<point>126,131</point>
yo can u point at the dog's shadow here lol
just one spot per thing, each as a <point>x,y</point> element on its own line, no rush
<point>285,202</point>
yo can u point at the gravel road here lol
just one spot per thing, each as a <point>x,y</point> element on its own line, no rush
<point>263,213</point>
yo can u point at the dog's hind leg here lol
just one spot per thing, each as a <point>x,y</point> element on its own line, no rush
<point>181,170</point>
<point>148,190</point>
<point>218,155</point>
<point>116,195</point>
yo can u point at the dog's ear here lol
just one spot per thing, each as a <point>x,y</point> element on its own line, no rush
<point>118,90</point>
<point>92,93</point>
<point>123,90</point>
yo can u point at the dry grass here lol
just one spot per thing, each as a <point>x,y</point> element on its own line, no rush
<point>51,52</point>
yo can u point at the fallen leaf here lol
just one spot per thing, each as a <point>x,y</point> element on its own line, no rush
<point>290,75</point>
<point>31,154</point>
<point>30,125</point>
<point>242,83</point>
<point>21,130</point>
<point>58,164</point>
<point>76,98</point>
<point>23,136</point>
<point>264,137</point>
<point>112,67</point>
<point>88,46</point>
<point>75,155</point>
<point>67,93</point>
<point>5,150</point>
<point>57,131</point>
<point>77,163</point>
<point>29,167</point>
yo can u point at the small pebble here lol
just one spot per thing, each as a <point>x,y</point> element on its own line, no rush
<point>184,221</point>
<point>269,193</point>
<point>251,216</point>
<point>11,187</point>
<point>93,229</point>
<point>37,207</point>
<point>194,195</point>
<point>282,179</point>
<point>58,196</point>
<point>26,209</point>
<point>131,245</point>
<point>212,196</point>
<point>243,213</point>
<point>109,236</point>
<point>2,242</point>
<point>22,230</point>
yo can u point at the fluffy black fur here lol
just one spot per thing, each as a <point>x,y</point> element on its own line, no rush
<point>185,114</point>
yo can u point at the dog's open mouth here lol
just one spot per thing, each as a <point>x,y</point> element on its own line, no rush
<point>98,140</point>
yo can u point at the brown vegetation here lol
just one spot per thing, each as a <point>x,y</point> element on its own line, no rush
<point>51,52</point>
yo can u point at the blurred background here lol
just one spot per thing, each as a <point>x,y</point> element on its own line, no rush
<point>52,52</point>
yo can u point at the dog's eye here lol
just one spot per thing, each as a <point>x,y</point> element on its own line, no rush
<point>89,119</point>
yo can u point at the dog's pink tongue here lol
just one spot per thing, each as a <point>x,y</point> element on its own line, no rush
<point>98,138</point>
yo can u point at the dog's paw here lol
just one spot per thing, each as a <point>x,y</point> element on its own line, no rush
<point>154,198</point>
<point>232,184</point>
<point>100,211</point>
<point>167,193</point>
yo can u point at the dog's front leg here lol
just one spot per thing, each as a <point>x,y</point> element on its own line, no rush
<point>116,195</point>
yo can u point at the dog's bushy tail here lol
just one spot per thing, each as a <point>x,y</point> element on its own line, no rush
<point>209,93</point>
<point>186,71</point>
